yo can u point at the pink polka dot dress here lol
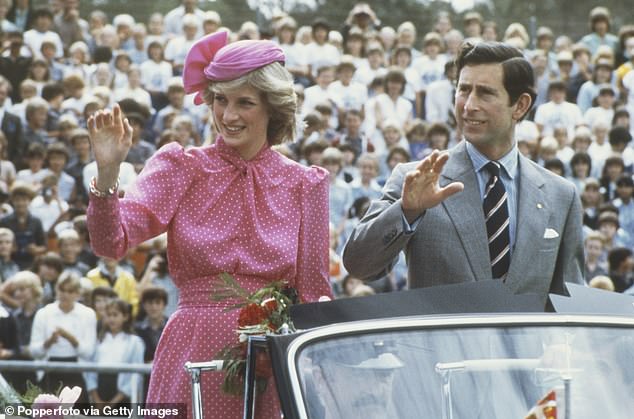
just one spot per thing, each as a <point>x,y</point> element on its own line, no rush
<point>261,220</point>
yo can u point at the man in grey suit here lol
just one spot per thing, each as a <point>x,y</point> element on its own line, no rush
<point>434,210</point>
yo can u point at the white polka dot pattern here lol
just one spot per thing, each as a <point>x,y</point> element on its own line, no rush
<point>260,220</point>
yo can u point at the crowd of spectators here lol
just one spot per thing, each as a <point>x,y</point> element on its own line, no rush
<point>369,97</point>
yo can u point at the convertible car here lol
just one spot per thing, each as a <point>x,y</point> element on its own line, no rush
<point>474,352</point>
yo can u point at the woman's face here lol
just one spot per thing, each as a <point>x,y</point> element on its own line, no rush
<point>242,118</point>
<point>581,170</point>
<point>39,72</point>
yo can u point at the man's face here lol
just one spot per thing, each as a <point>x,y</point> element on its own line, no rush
<point>594,248</point>
<point>42,24</point>
<point>483,109</point>
<point>6,246</point>
<point>154,308</point>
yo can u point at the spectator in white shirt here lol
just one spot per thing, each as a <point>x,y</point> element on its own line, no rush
<point>431,65</point>
<point>156,74</point>
<point>605,105</point>
<point>319,52</point>
<point>557,111</point>
<point>173,22</point>
<point>177,48</point>
<point>439,97</point>
<point>64,331</point>
<point>42,23</point>
<point>375,67</point>
<point>346,93</point>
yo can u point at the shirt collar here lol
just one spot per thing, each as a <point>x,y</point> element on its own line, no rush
<point>508,161</point>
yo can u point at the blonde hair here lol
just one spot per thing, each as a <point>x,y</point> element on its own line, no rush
<point>602,282</point>
<point>27,279</point>
<point>275,84</point>
<point>6,232</point>
<point>70,280</point>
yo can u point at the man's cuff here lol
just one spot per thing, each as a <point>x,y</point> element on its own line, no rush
<point>410,228</point>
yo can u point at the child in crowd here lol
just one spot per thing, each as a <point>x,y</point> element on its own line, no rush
<point>7,168</point>
<point>48,267</point>
<point>8,267</point>
<point>74,86</point>
<point>591,199</point>
<point>86,255</point>
<point>350,171</point>
<point>108,273</point>
<point>119,344</point>
<point>35,155</point>
<point>64,331</point>
<point>26,291</point>
<point>157,275</point>
<point>149,329</point>
<point>156,74</point>
<point>416,135</point>
<point>366,184</point>
<point>438,136</point>
<point>621,264</point>
<point>36,117</point>
<point>613,169</point>
<point>392,136</point>
<point>69,250</point>
<point>48,206</point>
<point>340,197</point>
<point>396,156</point>
<point>595,262</point>
<point>141,150</point>
<point>99,298</point>
<point>580,167</point>
<point>29,234</point>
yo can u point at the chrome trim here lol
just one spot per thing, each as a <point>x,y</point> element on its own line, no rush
<point>444,321</point>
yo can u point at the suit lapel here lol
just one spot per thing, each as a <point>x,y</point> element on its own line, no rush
<point>465,210</point>
<point>532,219</point>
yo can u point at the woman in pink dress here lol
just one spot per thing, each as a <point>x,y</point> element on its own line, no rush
<point>236,206</point>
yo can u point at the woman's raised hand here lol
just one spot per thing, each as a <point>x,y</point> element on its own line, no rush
<point>111,139</point>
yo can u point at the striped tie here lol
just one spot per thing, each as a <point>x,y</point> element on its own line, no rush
<point>496,214</point>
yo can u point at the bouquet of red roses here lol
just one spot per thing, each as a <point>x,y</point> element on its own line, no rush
<point>265,311</point>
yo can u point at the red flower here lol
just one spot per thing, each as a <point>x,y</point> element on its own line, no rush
<point>270,305</point>
<point>251,315</point>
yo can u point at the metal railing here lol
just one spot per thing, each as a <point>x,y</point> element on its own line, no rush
<point>111,367</point>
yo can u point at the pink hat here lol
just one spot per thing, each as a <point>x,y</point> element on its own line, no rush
<point>210,58</point>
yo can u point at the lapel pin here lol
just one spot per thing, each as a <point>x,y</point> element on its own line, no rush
<point>540,206</point>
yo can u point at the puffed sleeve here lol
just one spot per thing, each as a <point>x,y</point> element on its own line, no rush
<point>149,204</point>
<point>135,351</point>
<point>312,258</point>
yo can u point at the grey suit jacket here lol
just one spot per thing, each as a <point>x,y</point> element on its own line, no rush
<point>449,244</point>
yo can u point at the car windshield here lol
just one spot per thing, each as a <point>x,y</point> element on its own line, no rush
<point>470,372</point>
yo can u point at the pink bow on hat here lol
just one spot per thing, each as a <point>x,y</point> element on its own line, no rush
<point>198,57</point>
<point>211,59</point>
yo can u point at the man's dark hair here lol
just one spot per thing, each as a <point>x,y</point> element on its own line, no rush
<point>617,256</point>
<point>619,135</point>
<point>555,164</point>
<point>42,12</point>
<point>102,54</point>
<point>517,71</point>
<point>581,157</point>
<point>153,294</point>
<point>51,91</point>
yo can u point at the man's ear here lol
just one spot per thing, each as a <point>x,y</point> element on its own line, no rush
<point>522,106</point>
